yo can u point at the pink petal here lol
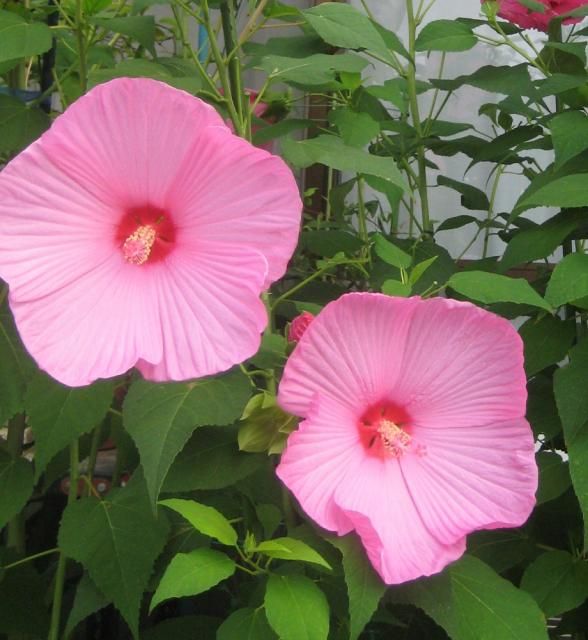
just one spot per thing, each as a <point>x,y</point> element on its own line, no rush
<point>481,477</point>
<point>352,353</point>
<point>376,497</point>
<point>210,310</point>
<point>146,131</point>
<point>115,322</point>
<point>234,192</point>
<point>461,366</point>
<point>52,231</point>
<point>317,458</point>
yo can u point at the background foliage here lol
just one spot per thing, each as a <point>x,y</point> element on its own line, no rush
<point>186,533</point>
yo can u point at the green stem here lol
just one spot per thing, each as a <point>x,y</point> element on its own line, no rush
<point>221,68</point>
<point>16,530</point>
<point>416,119</point>
<point>74,456</point>
<point>93,456</point>
<point>489,218</point>
<point>228,11</point>
<point>81,40</point>
<point>36,556</point>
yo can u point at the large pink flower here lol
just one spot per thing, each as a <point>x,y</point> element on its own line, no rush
<point>140,231</point>
<point>414,432</point>
<point>514,11</point>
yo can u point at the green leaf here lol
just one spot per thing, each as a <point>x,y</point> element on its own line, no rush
<point>190,574</point>
<point>537,242</point>
<point>572,404</point>
<point>541,408</point>
<point>509,80</point>
<point>420,269</point>
<point>565,192</point>
<point>557,581</point>
<point>396,288</point>
<point>471,198</point>
<point>19,124</point>
<point>390,253</point>
<point>59,414</point>
<point>205,519</point>
<point>490,288</point>
<point>445,35</point>
<point>569,281</point>
<point>502,550</point>
<point>21,39</point>
<point>547,341</point>
<point>569,132</point>
<point>364,587</point>
<point>343,26</point>
<point>184,628</point>
<point>333,152</point>
<point>211,460</point>
<point>554,476</point>
<point>117,540</point>
<point>139,28</point>
<point>313,70</point>
<point>328,243</point>
<point>16,486</point>
<point>23,612</point>
<point>291,549</point>
<point>470,601</point>
<point>357,129</point>
<point>16,369</point>
<point>88,600</point>
<point>265,427</point>
<point>296,608</point>
<point>246,624</point>
<point>161,417</point>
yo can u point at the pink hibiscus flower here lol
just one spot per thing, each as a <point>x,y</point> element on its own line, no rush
<point>514,11</point>
<point>414,432</point>
<point>140,231</point>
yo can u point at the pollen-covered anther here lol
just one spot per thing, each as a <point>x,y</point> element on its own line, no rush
<point>395,441</point>
<point>137,247</point>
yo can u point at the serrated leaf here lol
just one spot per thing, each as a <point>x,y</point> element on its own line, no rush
<point>21,39</point>
<point>491,288</point>
<point>546,341</point>
<point>211,460</point>
<point>569,132</point>
<point>364,587</point>
<point>246,624</point>
<point>557,581</point>
<point>569,280</point>
<point>16,486</point>
<point>333,152</point>
<point>291,549</point>
<point>19,124</point>
<point>161,417</point>
<point>390,253</point>
<point>117,540</point>
<point>205,519</point>
<point>139,28</point>
<point>190,574</point>
<point>296,608</point>
<point>445,35</point>
<point>344,26</point>
<point>60,414</point>
<point>17,368</point>
<point>554,476</point>
<point>470,601</point>
<point>23,613</point>
<point>572,404</point>
<point>88,600</point>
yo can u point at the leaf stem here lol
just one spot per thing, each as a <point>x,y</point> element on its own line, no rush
<point>36,556</point>
<point>74,455</point>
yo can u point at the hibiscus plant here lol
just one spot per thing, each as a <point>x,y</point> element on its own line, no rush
<point>258,379</point>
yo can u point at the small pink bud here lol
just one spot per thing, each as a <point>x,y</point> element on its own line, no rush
<point>299,325</point>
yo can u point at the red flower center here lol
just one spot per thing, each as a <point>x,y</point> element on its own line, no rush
<point>145,234</point>
<point>385,431</point>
